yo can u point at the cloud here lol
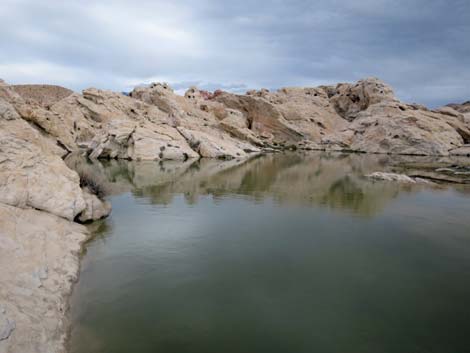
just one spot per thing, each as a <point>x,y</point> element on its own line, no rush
<point>421,47</point>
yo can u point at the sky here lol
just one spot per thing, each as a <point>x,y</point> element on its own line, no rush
<point>420,47</point>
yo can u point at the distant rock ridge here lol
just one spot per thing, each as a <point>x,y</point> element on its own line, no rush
<point>154,123</point>
<point>44,95</point>
<point>42,124</point>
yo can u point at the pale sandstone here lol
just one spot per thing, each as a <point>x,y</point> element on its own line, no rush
<point>387,126</point>
<point>461,151</point>
<point>44,95</point>
<point>39,125</point>
<point>39,258</point>
<point>401,178</point>
<point>95,208</point>
<point>218,146</point>
<point>351,99</point>
<point>32,176</point>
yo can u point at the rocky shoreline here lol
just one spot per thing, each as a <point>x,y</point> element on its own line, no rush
<point>43,199</point>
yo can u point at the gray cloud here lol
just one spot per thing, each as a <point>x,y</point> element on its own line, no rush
<point>420,47</point>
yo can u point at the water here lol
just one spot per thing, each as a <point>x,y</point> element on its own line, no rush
<point>284,253</point>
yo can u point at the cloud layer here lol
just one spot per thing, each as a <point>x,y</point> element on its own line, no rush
<point>421,47</point>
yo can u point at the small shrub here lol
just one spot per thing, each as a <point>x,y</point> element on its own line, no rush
<point>92,182</point>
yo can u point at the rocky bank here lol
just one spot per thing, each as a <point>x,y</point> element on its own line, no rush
<point>43,199</point>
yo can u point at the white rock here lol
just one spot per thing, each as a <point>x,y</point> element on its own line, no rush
<point>401,178</point>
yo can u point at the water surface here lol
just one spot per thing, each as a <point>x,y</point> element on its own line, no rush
<point>282,253</point>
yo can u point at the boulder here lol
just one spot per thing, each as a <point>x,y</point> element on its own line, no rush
<point>160,95</point>
<point>400,178</point>
<point>463,108</point>
<point>351,99</point>
<point>95,208</point>
<point>7,111</point>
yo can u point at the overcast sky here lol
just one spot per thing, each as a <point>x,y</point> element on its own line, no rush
<point>420,47</point>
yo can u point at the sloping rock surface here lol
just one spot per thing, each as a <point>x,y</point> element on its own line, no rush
<point>39,255</point>
<point>41,196</point>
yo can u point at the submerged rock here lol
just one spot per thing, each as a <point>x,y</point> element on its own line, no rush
<point>402,178</point>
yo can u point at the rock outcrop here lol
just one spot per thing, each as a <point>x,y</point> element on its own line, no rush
<point>400,178</point>
<point>379,123</point>
<point>199,122</point>
<point>41,197</point>
<point>44,95</point>
<point>154,123</point>
<point>39,258</point>
<point>33,175</point>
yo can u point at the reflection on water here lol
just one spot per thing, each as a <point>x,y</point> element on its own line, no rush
<point>335,180</point>
<point>282,253</point>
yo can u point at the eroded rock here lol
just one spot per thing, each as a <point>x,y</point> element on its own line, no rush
<point>401,178</point>
<point>7,325</point>
<point>39,258</point>
<point>32,176</point>
<point>95,208</point>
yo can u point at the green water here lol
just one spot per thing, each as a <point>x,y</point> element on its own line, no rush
<point>284,253</point>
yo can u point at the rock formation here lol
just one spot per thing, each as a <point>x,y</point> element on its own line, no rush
<point>400,178</point>
<point>41,197</point>
<point>382,124</point>
<point>39,261</point>
<point>39,242</point>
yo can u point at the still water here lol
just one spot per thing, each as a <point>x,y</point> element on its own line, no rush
<point>283,253</point>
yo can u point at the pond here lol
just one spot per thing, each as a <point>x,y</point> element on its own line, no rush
<point>282,253</point>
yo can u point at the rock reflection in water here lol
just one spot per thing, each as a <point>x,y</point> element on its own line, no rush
<point>329,179</point>
<point>281,253</point>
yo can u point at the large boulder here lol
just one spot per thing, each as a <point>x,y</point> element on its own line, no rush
<point>351,99</point>
<point>463,109</point>
<point>160,95</point>
<point>7,111</point>
<point>95,208</point>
